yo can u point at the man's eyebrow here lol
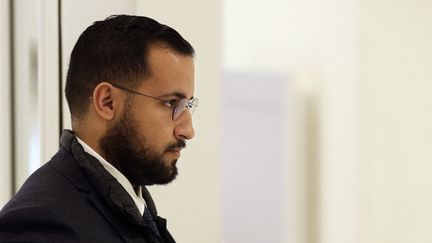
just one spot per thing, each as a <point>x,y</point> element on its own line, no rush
<point>177,94</point>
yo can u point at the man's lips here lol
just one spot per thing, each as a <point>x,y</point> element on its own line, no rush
<point>176,148</point>
<point>175,151</point>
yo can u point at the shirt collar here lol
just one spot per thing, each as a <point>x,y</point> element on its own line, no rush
<point>136,195</point>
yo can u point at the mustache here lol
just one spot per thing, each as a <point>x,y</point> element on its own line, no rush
<point>180,144</point>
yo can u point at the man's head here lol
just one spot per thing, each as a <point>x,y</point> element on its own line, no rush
<point>127,76</point>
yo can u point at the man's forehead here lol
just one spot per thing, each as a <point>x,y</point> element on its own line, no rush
<point>168,90</point>
<point>178,94</point>
<point>171,73</point>
<point>164,53</point>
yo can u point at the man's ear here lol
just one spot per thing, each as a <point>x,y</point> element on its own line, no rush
<point>105,101</point>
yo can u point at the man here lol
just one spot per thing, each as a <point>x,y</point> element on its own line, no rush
<point>130,89</point>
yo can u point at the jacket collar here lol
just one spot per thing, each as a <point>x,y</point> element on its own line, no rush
<point>111,199</point>
<point>105,184</point>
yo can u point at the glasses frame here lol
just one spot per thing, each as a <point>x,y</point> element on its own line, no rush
<point>190,105</point>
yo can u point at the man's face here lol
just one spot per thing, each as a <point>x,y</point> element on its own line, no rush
<point>144,143</point>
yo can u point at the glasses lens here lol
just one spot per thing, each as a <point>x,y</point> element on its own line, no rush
<point>182,105</point>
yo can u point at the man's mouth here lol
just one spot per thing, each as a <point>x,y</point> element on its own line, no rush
<point>176,148</point>
<point>175,151</point>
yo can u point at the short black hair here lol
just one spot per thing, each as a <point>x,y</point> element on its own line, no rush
<point>116,50</point>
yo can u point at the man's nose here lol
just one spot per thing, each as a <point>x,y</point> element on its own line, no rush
<point>184,128</point>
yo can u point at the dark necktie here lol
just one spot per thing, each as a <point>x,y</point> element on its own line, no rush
<point>148,219</point>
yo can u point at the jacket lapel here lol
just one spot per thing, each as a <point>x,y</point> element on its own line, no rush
<point>160,222</point>
<point>126,234</point>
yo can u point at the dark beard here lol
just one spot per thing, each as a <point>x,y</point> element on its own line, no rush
<point>127,152</point>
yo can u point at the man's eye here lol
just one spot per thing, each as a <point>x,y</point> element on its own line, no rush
<point>171,103</point>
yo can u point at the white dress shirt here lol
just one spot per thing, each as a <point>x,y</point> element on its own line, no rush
<point>135,195</point>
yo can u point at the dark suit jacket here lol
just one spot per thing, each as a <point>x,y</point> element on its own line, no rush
<point>72,198</point>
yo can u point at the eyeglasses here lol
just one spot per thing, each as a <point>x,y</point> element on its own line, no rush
<point>178,106</point>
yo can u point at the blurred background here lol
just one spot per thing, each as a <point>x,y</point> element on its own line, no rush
<point>314,122</point>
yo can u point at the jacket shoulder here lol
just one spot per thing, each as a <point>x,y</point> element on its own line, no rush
<point>56,180</point>
<point>34,224</point>
<point>54,205</point>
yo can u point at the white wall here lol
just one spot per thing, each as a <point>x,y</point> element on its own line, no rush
<point>304,42</point>
<point>396,118</point>
<point>5,105</point>
<point>25,68</point>
<point>36,85</point>
<point>48,54</point>
<point>192,204</point>
<point>358,112</point>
